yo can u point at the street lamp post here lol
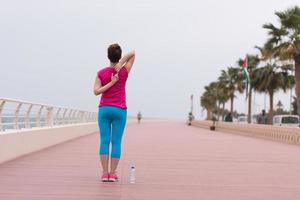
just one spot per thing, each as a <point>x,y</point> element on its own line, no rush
<point>190,115</point>
<point>192,99</point>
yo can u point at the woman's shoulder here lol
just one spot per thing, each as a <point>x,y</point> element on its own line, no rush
<point>102,70</point>
<point>124,71</point>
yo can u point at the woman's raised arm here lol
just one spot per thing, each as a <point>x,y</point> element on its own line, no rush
<point>127,61</point>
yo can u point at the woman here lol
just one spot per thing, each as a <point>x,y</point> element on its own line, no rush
<point>111,82</point>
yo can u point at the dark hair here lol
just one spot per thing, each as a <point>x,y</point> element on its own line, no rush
<point>114,53</point>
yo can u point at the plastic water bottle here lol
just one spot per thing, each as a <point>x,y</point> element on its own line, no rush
<point>132,174</point>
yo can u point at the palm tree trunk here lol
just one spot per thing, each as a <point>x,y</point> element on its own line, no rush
<point>297,80</point>
<point>249,105</point>
<point>208,115</point>
<point>219,105</point>
<point>270,118</point>
<point>231,103</point>
<point>218,110</point>
<point>223,108</point>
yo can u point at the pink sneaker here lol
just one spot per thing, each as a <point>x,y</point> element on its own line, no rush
<point>105,177</point>
<point>113,177</point>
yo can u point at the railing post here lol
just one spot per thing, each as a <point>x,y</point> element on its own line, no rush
<point>88,116</point>
<point>64,116</point>
<point>57,121</point>
<point>85,115</point>
<point>38,118</point>
<point>73,116</point>
<point>82,117</point>
<point>70,115</point>
<point>1,110</point>
<point>27,119</point>
<point>16,117</point>
<point>92,116</point>
<point>50,116</point>
<point>78,117</point>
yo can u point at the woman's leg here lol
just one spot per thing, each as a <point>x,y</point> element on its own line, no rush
<point>105,130</point>
<point>118,126</point>
<point>104,162</point>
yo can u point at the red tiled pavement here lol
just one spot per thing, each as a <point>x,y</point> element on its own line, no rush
<point>173,161</point>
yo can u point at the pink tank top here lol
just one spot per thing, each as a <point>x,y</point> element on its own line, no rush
<point>115,95</point>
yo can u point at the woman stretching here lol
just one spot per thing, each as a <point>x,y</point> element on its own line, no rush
<point>111,82</point>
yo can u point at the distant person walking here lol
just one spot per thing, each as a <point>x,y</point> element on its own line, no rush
<point>139,117</point>
<point>110,82</point>
<point>262,118</point>
<point>190,118</point>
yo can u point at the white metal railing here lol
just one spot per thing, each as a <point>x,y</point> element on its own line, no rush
<point>16,114</point>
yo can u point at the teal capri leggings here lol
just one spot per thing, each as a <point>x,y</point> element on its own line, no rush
<point>111,121</point>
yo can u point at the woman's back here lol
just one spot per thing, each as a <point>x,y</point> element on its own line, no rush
<point>116,95</point>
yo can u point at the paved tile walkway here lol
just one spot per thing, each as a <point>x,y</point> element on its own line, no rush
<point>173,161</point>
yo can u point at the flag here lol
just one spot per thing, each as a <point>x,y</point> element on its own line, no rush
<point>245,69</point>
<point>192,97</point>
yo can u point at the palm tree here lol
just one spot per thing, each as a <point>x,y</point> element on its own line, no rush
<point>214,96</point>
<point>208,99</point>
<point>270,79</point>
<point>222,96</point>
<point>294,105</point>
<point>231,81</point>
<point>253,61</point>
<point>285,41</point>
<point>207,104</point>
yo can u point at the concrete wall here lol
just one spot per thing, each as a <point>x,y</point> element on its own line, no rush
<point>21,142</point>
<point>289,135</point>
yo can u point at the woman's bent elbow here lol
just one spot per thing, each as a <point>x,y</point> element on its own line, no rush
<point>96,93</point>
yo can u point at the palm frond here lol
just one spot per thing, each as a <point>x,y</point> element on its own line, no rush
<point>285,51</point>
<point>290,18</point>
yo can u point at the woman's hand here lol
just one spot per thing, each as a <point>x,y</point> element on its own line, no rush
<point>114,78</point>
<point>99,88</point>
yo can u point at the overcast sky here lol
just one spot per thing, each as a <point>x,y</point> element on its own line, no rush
<point>51,50</point>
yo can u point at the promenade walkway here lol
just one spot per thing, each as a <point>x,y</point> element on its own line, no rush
<point>173,161</point>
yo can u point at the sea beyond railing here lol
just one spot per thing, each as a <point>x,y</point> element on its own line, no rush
<point>18,114</point>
